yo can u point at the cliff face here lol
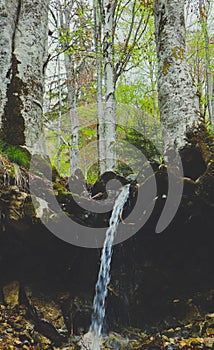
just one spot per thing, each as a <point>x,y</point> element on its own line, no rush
<point>163,280</point>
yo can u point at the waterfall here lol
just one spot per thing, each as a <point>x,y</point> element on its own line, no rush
<point>103,280</point>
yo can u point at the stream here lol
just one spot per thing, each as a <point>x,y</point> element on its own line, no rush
<point>101,289</point>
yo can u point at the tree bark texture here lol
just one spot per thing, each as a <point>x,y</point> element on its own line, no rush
<point>110,103</point>
<point>178,102</point>
<point>71,87</point>
<point>99,80</point>
<point>23,56</point>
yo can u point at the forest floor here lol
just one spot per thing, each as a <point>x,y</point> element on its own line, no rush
<point>21,329</point>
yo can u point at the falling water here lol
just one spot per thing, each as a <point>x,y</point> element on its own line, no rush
<point>104,272</point>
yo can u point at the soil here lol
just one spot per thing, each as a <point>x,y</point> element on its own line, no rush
<point>161,294</point>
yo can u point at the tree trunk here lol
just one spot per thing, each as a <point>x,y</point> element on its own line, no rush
<point>110,103</point>
<point>74,143</point>
<point>59,131</point>
<point>23,45</point>
<point>208,73</point>
<point>65,21</point>
<point>99,78</point>
<point>178,102</point>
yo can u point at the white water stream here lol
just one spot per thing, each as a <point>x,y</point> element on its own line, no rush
<point>101,289</point>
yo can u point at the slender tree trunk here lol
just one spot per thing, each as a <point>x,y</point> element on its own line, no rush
<point>110,102</point>
<point>23,54</point>
<point>59,117</point>
<point>111,12</point>
<point>212,100</point>
<point>101,122</point>
<point>74,142</point>
<point>70,76</point>
<point>209,76</point>
<point>179,105</point>
<point>99,78</point>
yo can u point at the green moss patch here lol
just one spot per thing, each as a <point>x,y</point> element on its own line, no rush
<point>16,154</point>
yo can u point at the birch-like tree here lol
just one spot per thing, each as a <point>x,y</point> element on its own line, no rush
<point>200,53</point>
<point>99,82</point>
<point>178,101</point>
<point>110,105</point>
<point>65,9</point>
<point>23,56</point>
<point>122,26</point>
<point>117,31</point>
<point>72,41</point>
<point>204,9</point>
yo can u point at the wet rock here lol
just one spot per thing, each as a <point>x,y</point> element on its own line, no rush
<point>86,341</point>
<point>209,342</point>
<point>11,293</point>
<point>47,309</point>
<point>116,341</point>
<point>210,319</point>
<point>11,205</point>
<point>76,185</point>
<point>45,315</point>
<point>99,189</point>
<point>81,310</point>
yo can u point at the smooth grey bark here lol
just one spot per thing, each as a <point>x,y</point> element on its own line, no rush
<point>74,142</point>
<point>71,87</point>
<point>110,13</point>
<point>178,101</point>
<point>59,127</point>
<point>209,75</point>
<point>109,113</point>
<point>106,114</point>
<point>66,9</point>
<point>99,80</point>
<point>23,56</point>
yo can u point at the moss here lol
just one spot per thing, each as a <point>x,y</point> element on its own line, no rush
<point>59,188</point>
<point>204,140</point>
<point>178,52</point>
<point>12,170</point>
<point>18,155</point>
<point>15,154</point>
<point>166,67</point>
<point>201,150</point>
<point>29,210</point>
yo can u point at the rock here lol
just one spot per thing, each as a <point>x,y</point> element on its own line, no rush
<point>11,205</point>
<point>47,309</point>
<point>101,184</point>
<point>79,174</point>
<point>76,183</point>
<point>88,341</point>
<point>209,342</point>
<point>116,341</point>
<point>11,293</point>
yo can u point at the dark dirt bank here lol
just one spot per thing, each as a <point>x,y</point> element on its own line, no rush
<point>161,294</point>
